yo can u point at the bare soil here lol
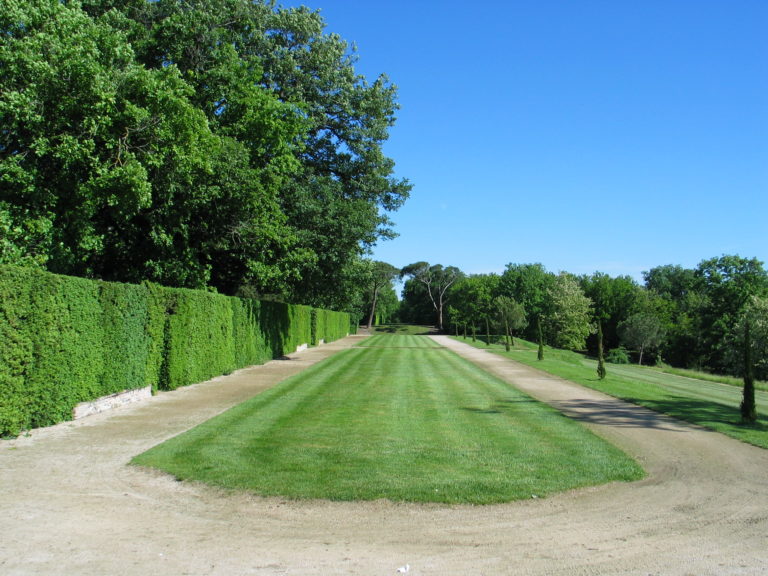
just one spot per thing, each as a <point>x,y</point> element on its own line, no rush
<point>71,504</point>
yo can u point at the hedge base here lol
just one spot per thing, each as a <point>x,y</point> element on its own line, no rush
<point>110,402</point>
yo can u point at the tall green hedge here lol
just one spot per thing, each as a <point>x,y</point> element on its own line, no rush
<point>67,340</point>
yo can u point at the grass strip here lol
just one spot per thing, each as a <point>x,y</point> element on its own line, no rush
<point>713,405</point>
<point>395,421</point>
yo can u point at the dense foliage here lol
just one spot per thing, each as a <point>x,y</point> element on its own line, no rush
<point>690,318</point>
<point>194,143</point>
<point>68,340</point>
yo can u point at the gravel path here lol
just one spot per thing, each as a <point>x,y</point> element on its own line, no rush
<point>70,505</point>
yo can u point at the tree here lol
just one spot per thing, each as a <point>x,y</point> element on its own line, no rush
<point>641,332</point>
<point>568,318</point>
<point>675,298</point>
<point>540,353</point>
<point>381,275</point>
<point>748,408</point>
<point>528,284</point>
<point>473,296</point>
<point>436,281</point>
<point>511,316</point>
<point>727,283</point>
<point>221,143</point>
<point>601,373</point>
<point>614,299</point>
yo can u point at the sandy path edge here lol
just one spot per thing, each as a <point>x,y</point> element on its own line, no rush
<point>70,505</point>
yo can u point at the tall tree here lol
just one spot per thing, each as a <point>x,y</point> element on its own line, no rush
<point>511,317</point>
<point>569,314</point>
<point>727,283</point>
<point>641,332</point>
<point>381,276</point>
<point>436,280</point>
<point>528,284</point>
<point>615,299</point>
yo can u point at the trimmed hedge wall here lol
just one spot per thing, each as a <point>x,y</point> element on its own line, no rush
<point>66,340</point>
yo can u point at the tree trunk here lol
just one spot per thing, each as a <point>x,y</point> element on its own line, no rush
<point>541,339</point>
<point>487,332</point>
<point>748,408</point>
<point>640,361</point>
<point>373,308</point>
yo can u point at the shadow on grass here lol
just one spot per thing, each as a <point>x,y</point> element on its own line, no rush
<point>499,407</point>
<point>703,413</point>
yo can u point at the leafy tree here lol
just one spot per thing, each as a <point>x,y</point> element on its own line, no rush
<point>675,298</point>
<point>568,317</point>
<point>511,317</point>
<point>528,284</point>
<point>615,299</point>
<point>641,332</point>
<point>436,280</point>
<point>473,295</point>
<point>727,283</point>
<point>381,276</point>
<point>223,143</point>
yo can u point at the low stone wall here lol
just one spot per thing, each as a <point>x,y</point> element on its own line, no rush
<point>109,402</point>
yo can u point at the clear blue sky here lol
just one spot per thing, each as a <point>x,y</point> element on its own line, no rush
<point>587,135</point>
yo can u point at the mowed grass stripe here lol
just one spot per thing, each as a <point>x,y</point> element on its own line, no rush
<point>399,341</point>
<point>404,423</point>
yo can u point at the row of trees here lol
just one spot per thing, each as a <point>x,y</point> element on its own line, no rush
<point>692,318</point>
<point>223,144</point>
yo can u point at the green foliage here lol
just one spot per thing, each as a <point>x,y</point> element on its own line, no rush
<point>68,340</point>
<point>568,316</point>
<point>641,332</point>
<point>435,281</point>
<point>618,356</point>
<point>193,144</point>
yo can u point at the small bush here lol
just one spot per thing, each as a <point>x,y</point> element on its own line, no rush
<point>618,356</point>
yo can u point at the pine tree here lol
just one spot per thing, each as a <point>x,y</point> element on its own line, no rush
<point>541,339</point>
<point>601,372</point>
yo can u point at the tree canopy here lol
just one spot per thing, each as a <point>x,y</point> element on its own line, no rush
<point>201,143</point>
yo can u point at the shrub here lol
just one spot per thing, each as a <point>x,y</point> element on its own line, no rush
<point>618,356</point>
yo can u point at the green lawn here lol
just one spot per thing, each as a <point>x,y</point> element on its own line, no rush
<point>710,404</point>
<point>399,419</point>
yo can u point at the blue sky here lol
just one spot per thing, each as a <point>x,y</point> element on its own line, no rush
<point>587,135</point>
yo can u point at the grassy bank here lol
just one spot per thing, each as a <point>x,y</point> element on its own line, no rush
<point>708,403</point>
<point>397,419</point>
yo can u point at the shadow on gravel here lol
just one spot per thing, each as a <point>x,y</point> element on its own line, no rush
<point>610,414</point>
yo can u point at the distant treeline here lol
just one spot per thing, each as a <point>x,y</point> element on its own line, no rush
<point>692,318</point>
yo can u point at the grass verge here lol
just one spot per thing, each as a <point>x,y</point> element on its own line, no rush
<point>397,420</point>
<point>713,405</point>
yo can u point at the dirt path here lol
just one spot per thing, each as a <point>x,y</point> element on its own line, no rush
<point>70,505</point>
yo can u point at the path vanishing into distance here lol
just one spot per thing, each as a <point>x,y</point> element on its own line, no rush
<point>70,504</point>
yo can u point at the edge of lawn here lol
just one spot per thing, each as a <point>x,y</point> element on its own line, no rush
<point>690,407</point>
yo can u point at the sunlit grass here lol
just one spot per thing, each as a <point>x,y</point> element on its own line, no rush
<point>711,404</point>
<point>397,420</point>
